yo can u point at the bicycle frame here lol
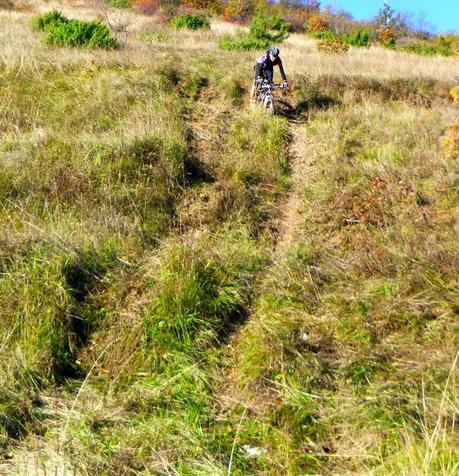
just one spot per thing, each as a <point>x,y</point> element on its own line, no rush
<point>265,95</point>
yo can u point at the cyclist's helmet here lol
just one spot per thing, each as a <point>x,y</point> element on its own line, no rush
<point>273,52</point>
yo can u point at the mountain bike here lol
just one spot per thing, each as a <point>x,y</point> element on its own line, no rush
<point>265,95</point>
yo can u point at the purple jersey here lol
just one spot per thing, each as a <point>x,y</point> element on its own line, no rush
<point>264,63</point>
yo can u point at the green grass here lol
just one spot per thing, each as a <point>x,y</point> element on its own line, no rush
<point>145,299</point>
<point>356,291</point>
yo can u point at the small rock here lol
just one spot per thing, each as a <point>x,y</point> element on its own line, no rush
<point>253,451</point>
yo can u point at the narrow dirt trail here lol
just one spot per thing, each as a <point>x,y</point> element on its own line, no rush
<point>289,229</point>
<point>301,164</point>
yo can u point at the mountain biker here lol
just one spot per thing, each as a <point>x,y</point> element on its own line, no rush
<point>264,70</point>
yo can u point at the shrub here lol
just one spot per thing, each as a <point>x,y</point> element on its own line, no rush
<point>387,37</point>
<point>191,21</point>
<point>317,22</point>
<point>76,33</point>
<point>260,26</point>
<point>325,35</point>
<point>424,49</point>
<point>279,24</point>
<point>240,9</point>
<point>359,38</point>
<point>455,94</point>
<point>242,42</point>
<point>332,46</point>
<point>213,6</point>
<point>447,45</point>
<point>259,36</point>
<point>48,20</point>
<point>120,3</point>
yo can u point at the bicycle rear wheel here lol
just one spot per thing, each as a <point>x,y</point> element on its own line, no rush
<point>269,105</point>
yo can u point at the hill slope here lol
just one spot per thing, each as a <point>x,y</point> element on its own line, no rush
<point>192,287</point>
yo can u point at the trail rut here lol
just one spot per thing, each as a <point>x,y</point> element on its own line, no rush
<point>301,172</point>
<point>289,228</point>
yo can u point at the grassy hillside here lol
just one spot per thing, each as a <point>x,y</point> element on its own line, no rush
<point>192,287</point>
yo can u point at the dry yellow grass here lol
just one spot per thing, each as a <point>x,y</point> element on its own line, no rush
<point>360,285</point>
<point>21,46</point>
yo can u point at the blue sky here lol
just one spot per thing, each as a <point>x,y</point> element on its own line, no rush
<point>440,15</point>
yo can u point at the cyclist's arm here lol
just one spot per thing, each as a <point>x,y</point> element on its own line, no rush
<point>258,69</point>
<point>281,69</point>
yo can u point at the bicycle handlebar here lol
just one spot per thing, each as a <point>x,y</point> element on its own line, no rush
<point>273,85</point>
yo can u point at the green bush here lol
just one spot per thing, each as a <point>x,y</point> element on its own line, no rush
<point>325,35</point>
<point>120,3</point>
<point>420,49</point>
<point>260,27</point>
<point>358,38</point>
<point>77,33</point>
<point>48,20</point>
<point>191,21</point>
<point>242,42</point>
<point>443,46</point>
<point>279,24</point>
<point>259,36</point>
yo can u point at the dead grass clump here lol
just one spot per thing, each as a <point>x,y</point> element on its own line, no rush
<point>451,142</point>
<point>147,7</point>
<point>419,91</point>
<point>455,94</point>
<point>6,5</point>
<point>333,47</point>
